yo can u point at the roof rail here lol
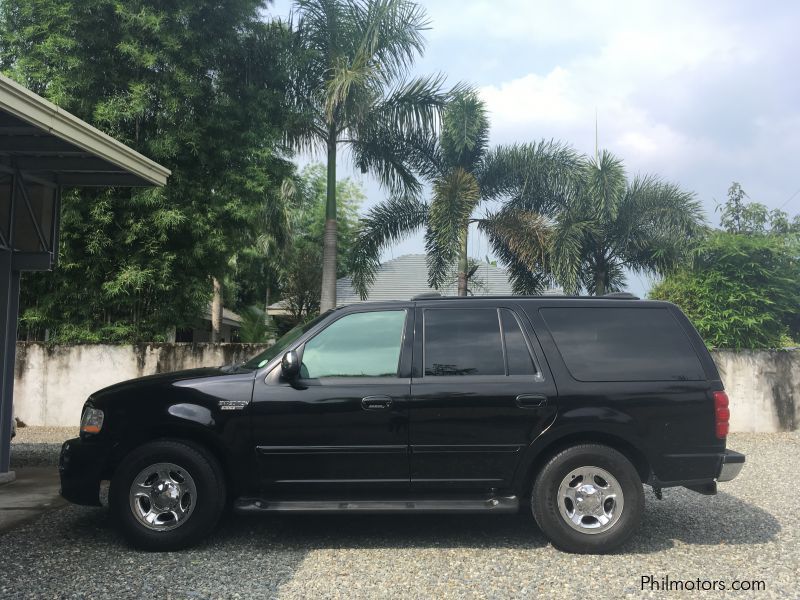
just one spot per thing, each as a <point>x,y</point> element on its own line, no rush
<point>621,296</point>
<point>426,296</point>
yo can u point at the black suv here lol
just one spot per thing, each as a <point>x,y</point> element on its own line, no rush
<point>432,405</point>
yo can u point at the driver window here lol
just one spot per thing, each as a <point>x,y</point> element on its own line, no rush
<point>357,345</point>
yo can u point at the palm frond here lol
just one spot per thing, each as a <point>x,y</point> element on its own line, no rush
<point>539,177</point>
<point>345,55</point>
<point>348,83</point>
<point>325,27</point>
<point>605,183</point>
<point>521,241</point>
<point>465,129</point>
<point>390,35</point>
<point>525,234</point>
<point>413,106</point>
<point>385,224</point>
<point>657,225</point>
<point>384,153</point>
<point>440,258</point>
<point>395,137</point>
<point>569,249</point>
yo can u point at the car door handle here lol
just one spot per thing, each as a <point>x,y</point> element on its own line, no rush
<point>376,402</point>
<point>531,400</point>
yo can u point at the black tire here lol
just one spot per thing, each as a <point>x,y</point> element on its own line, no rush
<point>207,505</point>
<point>545,499</point>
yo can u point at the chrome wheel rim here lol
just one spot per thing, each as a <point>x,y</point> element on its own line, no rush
<point>590,500</point>
<point>163,496</point>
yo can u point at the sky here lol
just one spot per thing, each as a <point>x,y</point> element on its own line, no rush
<point>699,93</point>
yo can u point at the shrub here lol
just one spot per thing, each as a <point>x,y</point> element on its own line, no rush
<point>741,291</point>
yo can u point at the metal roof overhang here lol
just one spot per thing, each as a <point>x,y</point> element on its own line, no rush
<point>43,149</point>
<point>45,142</point>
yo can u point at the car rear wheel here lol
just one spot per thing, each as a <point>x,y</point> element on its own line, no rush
<point>588,499</point>
<point>167,495</point>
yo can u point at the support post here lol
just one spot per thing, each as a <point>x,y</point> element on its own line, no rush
<point>9,307</point>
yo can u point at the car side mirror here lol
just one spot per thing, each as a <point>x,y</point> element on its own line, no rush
<point>290,365</point>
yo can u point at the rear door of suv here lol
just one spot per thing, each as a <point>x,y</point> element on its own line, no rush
<point>630,368</point>
<point>481,393</point>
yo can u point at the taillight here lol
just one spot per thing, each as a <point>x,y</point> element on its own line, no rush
<point>722,414</point>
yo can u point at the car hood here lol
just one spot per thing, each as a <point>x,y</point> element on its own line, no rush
<point>155,385</point>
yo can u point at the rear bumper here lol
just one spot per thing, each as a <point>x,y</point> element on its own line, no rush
<point>699,472</point>
<point>732,463</point>
<point>81,466</point>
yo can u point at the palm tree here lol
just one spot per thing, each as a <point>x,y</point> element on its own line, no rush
<point>351,89</point>
<point>608,226</point>
<point>463,173</point>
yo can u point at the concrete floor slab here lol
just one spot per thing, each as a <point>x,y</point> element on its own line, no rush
<point>35,491</point>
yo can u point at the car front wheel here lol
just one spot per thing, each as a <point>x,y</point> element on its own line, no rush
<point>167,495</point>
<point>588,499</point>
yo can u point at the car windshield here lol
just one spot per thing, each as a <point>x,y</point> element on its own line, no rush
<point>283,342</point>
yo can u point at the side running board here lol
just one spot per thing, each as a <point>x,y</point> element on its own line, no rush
<point>498,504</point>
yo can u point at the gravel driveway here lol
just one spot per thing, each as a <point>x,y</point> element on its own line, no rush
<point>747,532</point>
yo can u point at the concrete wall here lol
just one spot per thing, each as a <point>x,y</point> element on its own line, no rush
<point>52,382</point>
<point>763,387</point>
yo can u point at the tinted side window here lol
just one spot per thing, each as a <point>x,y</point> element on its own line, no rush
<point>623,344</point>
<point>357,345</point>
<point>517,353</point>
<point>462,342</point>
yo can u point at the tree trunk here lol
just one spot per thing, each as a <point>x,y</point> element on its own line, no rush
<point>266,306</point>
<point>216,311</point>
<point>599,283</point>
<point>463,264</point>
<point>327,299</point>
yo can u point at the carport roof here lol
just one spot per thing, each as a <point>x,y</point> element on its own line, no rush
<point>45,141</point>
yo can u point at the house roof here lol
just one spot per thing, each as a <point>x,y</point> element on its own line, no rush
<point>46,141</point>
<point>228,316</point>
<point>406,276</point>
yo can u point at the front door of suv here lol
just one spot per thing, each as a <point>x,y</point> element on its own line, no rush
<point>481,393</point>
<point>344,423</point>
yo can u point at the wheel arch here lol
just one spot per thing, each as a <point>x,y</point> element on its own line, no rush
<point>198,437</point>
<point>538,456</point>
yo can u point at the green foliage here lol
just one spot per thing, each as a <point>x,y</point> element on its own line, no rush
<point>742,289</point>
<point>300,261</point>
<point>465,133</point>
<point>308,220</point>
<point>738,216</point>
<point>463,173</point>
<point>608,224</point>
<point>255,328</point>
<point>197,86</point>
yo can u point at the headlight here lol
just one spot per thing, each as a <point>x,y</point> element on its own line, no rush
<point>91,420</point>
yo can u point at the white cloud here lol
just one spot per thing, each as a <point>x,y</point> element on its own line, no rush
<point>674,88</point>
<point>533,98</point>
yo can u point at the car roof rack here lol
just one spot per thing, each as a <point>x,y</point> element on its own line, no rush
<point>621,296</point>
<point>426,296</point>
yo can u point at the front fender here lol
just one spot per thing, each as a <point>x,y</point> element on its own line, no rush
<point>208,407</point>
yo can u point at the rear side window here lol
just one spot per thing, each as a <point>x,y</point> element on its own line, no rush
<point>623,344</point>
<point>463,342</point>
<point>470,342</point>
